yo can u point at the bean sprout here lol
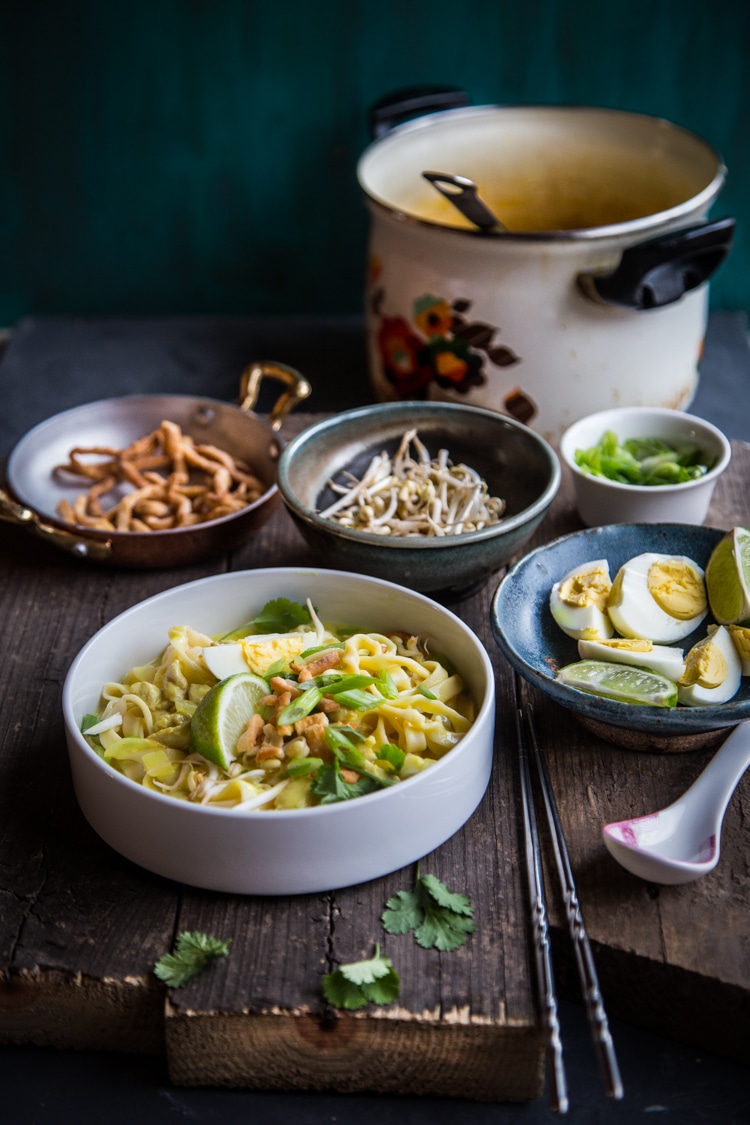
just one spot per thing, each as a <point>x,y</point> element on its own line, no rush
<point>414,495</point>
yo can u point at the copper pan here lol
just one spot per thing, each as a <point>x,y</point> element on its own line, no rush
<point>33,490</point>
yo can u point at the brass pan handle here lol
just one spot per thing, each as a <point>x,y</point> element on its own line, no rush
<point>73,542</point>
<point>298,388</point>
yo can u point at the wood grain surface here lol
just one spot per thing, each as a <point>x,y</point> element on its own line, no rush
<point>80,927</point>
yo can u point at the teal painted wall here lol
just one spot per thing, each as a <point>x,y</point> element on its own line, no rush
<point>198,156</point>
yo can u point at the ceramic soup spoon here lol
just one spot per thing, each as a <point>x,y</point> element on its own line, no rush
<point>682,842</point>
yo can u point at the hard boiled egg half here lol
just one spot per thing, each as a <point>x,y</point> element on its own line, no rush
<point>662,597</point>
<point>665,661</point>
<point>740,634</point>
<point>713,670</point>
<point>256,653</point>
<point>578,602</point>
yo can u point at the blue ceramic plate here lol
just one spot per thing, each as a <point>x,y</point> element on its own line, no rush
<point>535,645</point>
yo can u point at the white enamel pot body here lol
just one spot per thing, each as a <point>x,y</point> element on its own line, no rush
<point>596,294</point>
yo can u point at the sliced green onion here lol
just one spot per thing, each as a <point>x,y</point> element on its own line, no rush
<point>300,707</point>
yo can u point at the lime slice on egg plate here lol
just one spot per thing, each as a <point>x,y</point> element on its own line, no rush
<point>621,682</point>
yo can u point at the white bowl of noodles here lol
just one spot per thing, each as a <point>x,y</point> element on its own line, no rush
<point>245,848</point>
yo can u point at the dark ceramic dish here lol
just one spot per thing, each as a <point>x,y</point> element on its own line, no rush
<point>517,464</point>
<point>535,645</point>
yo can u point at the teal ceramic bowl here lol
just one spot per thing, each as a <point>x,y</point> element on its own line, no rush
<point>536,647</point>
<point>517,464</point>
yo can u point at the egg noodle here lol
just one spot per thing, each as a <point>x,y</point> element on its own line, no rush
<point>353,712</point>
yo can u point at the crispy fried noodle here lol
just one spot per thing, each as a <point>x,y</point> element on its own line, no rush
<point>161,481</point>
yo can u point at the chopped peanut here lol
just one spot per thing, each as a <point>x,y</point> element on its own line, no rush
<point>322,663</point>
<point>248,740</point>
<point>313,727</point>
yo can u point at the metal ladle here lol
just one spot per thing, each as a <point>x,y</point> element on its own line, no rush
<point>682,842</point>
<point>462,193</point>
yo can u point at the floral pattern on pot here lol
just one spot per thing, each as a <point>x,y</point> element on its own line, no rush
<point>440,344</point>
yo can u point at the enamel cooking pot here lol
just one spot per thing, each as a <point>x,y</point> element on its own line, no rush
<point>34,489</point>
<point>593,293</point>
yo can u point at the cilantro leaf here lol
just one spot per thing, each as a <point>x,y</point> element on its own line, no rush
<point>384,990</point>
<point>365,972</point>
<point>439,918</point>
<point>329,783</point>
<point>443,930</point>
<point>330,786</point>
<point>340,744</point>
<point>341,993</point>
<point>193,952</point>
<point>278,616</point>
<point>372,980</point>
<point>391,754</point>
<point>281,616</point>
<point>404,913</point>
<point>461,904</point>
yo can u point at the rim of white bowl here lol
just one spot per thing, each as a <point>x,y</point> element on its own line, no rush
<point>486,704</point>
<point>567,442</point>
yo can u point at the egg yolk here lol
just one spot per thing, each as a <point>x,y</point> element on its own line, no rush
<point>740,635</point>
<point>589,587</point>
<point>705,665</point>
<point>260,655</point>
<point>677,589</point>
<point>629,644</point>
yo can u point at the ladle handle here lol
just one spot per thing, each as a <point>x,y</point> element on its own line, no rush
<point>297,390</point>
<point>76,543</point>
<point>462,193</point>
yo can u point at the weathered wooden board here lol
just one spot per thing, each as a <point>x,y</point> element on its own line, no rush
<point>463,1024</point>
<point>80,928</point>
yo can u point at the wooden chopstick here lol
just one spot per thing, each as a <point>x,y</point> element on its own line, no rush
<point>602,1038</point>
<point>546,994</point>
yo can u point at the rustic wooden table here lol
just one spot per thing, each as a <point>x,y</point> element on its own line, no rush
<point>80,928</point>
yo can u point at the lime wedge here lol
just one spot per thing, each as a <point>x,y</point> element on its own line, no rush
<point>222,715</point>
<point>619,681</point>
<point>728,578</point>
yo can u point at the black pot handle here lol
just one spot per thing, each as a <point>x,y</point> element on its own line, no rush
<point>661,270</point>
<point>399,106</point>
